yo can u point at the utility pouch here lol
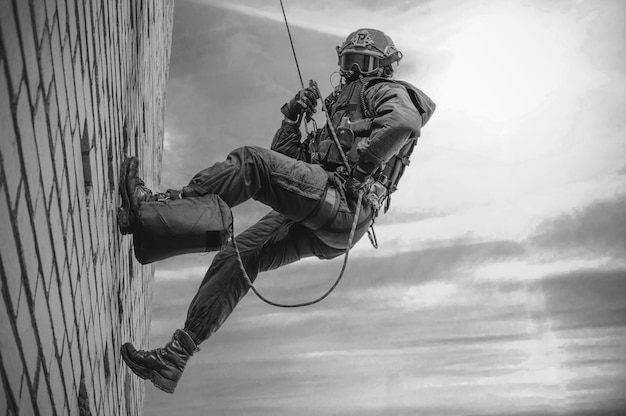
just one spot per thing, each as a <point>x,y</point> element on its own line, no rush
<point>328,154</point>
<point>190,225</point>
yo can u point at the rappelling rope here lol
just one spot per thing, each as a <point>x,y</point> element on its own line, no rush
<point>295,58</point>
<point>356,212</point>
<point>293,49</point>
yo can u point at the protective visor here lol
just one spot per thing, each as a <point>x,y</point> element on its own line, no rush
<point>364,63</point>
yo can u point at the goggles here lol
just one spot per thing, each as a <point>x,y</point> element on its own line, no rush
<point>364,63</point>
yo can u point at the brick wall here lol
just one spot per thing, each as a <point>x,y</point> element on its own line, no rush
<point>82,84</point>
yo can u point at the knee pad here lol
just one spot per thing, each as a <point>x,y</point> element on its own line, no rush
<point>190,225</point>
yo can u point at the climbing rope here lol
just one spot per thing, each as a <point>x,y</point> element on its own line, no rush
<point>295,58</point>
<point>293,49</point>
<point>356,213</point>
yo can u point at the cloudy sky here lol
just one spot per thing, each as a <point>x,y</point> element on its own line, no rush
<point>500,283</point>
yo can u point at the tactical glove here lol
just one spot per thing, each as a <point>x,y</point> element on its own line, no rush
<point>357,181</point>
<point>305,101</point>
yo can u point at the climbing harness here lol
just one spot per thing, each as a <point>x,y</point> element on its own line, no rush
<point>357,212</point>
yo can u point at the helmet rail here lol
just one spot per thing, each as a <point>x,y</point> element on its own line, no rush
<point>366,52</point>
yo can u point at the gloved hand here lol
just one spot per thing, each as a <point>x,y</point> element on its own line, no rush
<point>358,180</point>
<point>305,101</point>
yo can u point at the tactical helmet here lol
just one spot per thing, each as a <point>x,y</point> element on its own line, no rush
<point>366,52</point>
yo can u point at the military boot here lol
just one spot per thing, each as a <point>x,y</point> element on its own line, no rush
<point>133,192</point>
<point>162,366</point>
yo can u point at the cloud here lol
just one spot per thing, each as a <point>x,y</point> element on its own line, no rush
<point>598,228</point>
<point>585,299</point>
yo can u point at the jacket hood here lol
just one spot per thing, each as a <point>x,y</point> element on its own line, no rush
<point>424,104</point>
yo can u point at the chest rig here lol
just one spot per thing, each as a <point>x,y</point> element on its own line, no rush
<point>352,120</point>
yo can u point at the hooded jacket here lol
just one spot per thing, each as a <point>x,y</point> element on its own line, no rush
<point>383,115</point>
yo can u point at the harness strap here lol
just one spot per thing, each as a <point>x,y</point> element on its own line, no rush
<point>326,210</point>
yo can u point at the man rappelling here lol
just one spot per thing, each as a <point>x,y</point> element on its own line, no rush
<point>324,191</point>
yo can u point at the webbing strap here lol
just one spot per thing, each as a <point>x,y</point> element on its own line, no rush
<point>326,210</point>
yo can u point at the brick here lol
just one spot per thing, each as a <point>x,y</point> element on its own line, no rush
<point>68,71</point>
<point>64,201</point>
<point>44,328</point>
<point>77,182</point>
<point>82,340</point>
<point>4,400</point>
<point>62,15</point>
<point>29,51</point>
<point>27,139</point>
<point>82,33</point>
<point>89,108</point>
<point>9,154</point>
<point>59,162</point>
<point>87,367</point>
<point>97,384</point>
<point>10,351</point>
<point>10,40</point>
<point>39,13</point>
<point>71,142</point>
<point>59,76</point>
<point>80,247</point>
<point>71,257</point>
<point>46,69</point>
<point>26,402</point>
<point>76,362</point>
<point>43,240</point>
<point>97,335</point>
<point>80,94</point>
<point>90,56</point>
<point>43,145</point>
<point>91,342</point>
<point>52,108</point>
<point>27,245</point>
<point>91,186</point>
<point>8,253</point>
<point>82,317</point>
<point>56,313</point>
<point>73,407</point>
<point>96,178</point>
<point>27,342</point>
<point>86,234</point>
<point>56,230</point>
<point>58,387</point>
<point>67,301</point>
<point>72,25</point>
<point>44,399</point>
<point>68,369</point>
<point>51,9</point>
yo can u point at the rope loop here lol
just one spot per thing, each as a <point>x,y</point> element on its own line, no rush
<point>329,291</point>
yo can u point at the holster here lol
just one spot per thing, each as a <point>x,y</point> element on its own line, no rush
<point>190,225</point>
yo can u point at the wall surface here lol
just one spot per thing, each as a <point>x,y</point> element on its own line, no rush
<point>82,85</point>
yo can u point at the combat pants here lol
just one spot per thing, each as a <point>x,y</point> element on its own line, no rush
<point>293,189</point>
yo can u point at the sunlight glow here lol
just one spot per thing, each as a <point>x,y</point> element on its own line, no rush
<point>508,68</point>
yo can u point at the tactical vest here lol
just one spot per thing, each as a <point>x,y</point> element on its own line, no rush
<point>352,121</point>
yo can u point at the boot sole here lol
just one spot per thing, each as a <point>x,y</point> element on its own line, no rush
<point>124,213</point>
<point>158,380</point>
